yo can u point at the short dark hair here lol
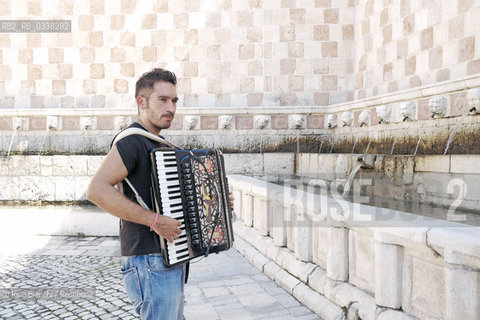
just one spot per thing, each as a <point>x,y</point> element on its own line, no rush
<point>148,79</point>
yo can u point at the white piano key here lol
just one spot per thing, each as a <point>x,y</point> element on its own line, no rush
<point>173,249</point>
<point>165,183</point>
<point>172,204</point>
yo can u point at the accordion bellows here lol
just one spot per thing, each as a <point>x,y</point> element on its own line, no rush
<point>191,186</point>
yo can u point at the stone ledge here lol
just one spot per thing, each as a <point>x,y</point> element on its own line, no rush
<point>394,315</point>
<point>436,163</point>
<point>465,164</point>
<point>286,280</point>
<point>318,304</point>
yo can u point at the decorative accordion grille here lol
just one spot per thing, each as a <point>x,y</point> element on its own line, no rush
<point>211,217</point>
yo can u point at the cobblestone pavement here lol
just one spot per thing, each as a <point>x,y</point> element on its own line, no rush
<point>223,286</point>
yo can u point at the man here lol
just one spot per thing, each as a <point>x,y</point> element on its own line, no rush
<point>155,291</point>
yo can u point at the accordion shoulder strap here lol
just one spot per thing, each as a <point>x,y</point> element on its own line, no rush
<point>129,131</point>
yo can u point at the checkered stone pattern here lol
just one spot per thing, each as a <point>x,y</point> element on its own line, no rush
<point>407,44</point>
<point>244,53</point>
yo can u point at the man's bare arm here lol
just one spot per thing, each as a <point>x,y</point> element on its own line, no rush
<point>103,193</point>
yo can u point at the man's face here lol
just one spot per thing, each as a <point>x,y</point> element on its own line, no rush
<point>159,109</point>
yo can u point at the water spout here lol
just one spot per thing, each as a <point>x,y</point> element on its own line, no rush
<point>367,160</point>
<point>364,161</point>
<point>348,184</point>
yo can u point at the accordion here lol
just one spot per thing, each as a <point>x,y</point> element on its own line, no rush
<point>191,186</point>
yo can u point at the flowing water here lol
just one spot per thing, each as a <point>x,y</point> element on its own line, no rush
<point>298,141</point>
<point>455,128</point>
<point>11,142</point>
<point>416,147</point>
<point>349,182</point>
<point>333,144</point>
<point>43,141</point>
<point>321,145</point>
<point>261,142</point>
<point>354,144</point>
<point>393,146</point>
<point>368,146</point>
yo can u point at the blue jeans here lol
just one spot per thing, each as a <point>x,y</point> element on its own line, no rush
<point>155,291</point>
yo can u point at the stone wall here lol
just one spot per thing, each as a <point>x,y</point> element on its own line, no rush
<point>279,68</point>
<point>345,261</point>
<point>235,53</point>
<point>225,53</point>
<point>57,179</point>
<point>430,114</point>
<point>406,44</point>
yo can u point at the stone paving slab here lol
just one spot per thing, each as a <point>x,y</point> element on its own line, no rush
<point>223,286</point>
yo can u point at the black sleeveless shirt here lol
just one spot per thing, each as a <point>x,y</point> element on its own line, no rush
<point>137,239</point>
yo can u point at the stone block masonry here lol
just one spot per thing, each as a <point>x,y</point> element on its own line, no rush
<point>403,268</point>
<point>225,54</point>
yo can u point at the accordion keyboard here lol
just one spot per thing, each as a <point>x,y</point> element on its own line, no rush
<point>171,200</point>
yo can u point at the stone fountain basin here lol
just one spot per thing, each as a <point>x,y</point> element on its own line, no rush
<point>334,255</point>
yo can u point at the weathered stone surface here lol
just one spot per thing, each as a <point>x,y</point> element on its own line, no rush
<point>298,268</point>
<point>337,257</point>
<point>278,228</point>
<point>345,295</point>
<point>388,275</point>
<point>319,304</point>
<point>317,279</point>
<point>466,164</point>
<point>394,315</point>
<point>262,243</point>
<point>271,268</point>
<point>286,280</point>
<point>261,211</point>
<point>423,292</point>
<point>361,266</point>
<point>303,237</point>
<point>320,245</point>
<point>279,164</point>
<point>462,280</point>
<point>247,209</point>
<point>432,164</point>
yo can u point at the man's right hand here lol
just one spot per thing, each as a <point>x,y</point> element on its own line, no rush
<point>167,228</point>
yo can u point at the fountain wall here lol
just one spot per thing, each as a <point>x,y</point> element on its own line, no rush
<point>346,260</point>
<point>398,123</point>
